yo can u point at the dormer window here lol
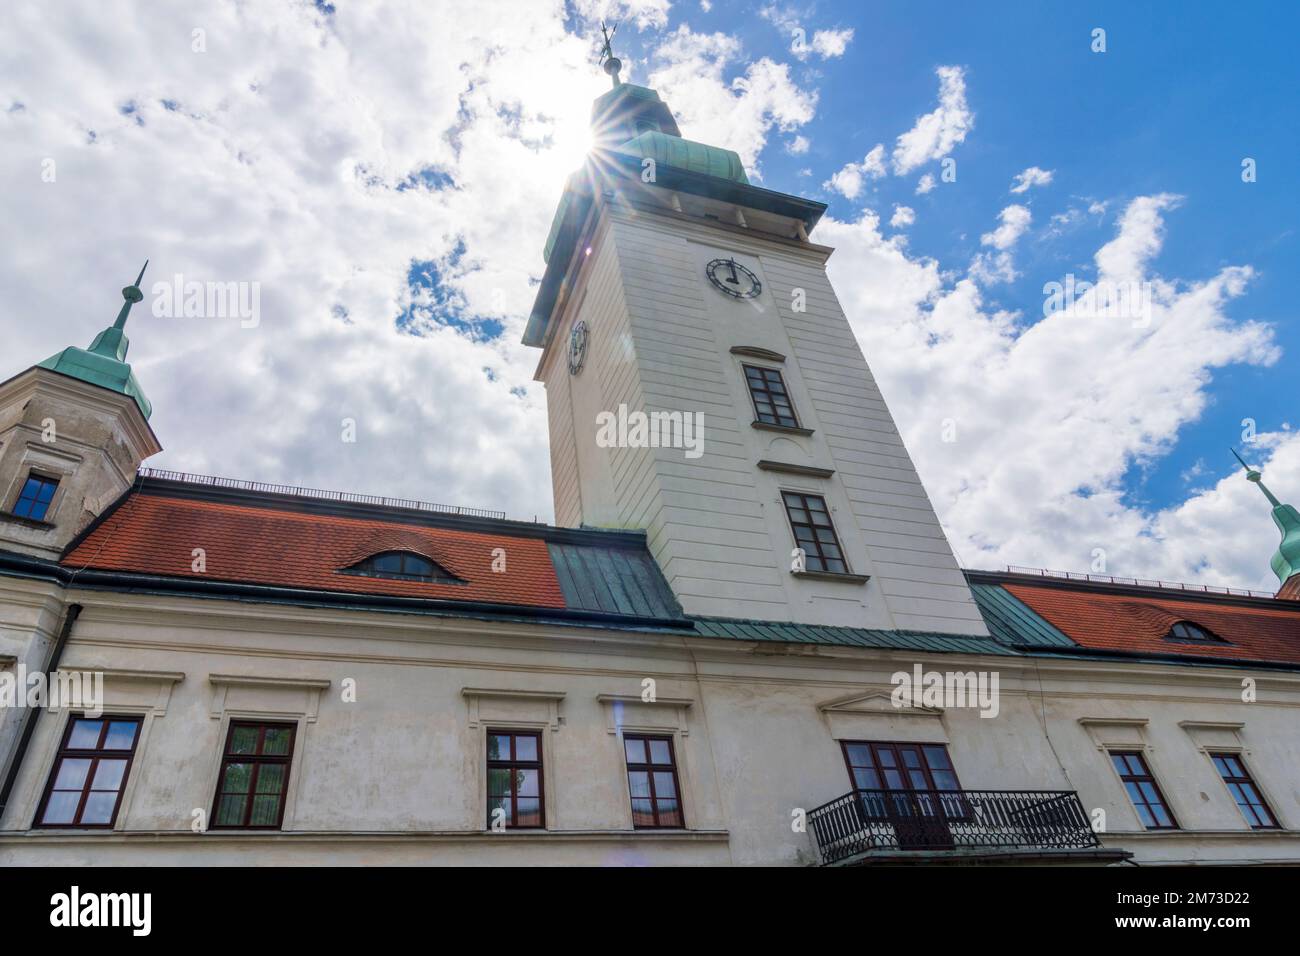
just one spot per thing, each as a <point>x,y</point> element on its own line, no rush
<point>403,566</point>
<point>1188,633</point>
<point>34,500</point>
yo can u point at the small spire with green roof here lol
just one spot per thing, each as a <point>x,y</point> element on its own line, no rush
<point>1286,560</point>
<point>104,363</point>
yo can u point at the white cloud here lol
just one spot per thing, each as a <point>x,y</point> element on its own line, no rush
<point>903,216</point>
<point>797,146</point>
<point>644,13</point>
<point>1033,176</point>
<point>849,181</point>
<point>936,133</point>
<point>824,43</point>
<point>1013,221</point>
<point>925,184</point>
<point>690,70</point>
<point>831,43</point>
<point>1052,412</point>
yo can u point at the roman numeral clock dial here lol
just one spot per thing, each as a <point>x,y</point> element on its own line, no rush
<point>731,278</point>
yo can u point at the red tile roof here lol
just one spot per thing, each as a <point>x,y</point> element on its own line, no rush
<point>155,534</point>
<point>1138,623</point>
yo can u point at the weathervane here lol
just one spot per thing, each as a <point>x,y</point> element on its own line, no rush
<point>612,64</point>
<point>132,295</point>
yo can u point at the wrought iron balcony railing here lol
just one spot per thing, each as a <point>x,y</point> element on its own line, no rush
<point>934,820</point>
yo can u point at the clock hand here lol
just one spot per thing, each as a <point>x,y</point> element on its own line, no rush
<point>733,280</point>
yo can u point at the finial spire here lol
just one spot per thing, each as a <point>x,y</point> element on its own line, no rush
<point>132,295</point>
<point>1257,478</point>
<point>612,64</point>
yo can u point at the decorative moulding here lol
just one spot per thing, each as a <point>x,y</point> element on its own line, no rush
<point>786,468</point>
<point>166,681</point>
<point>1109,733</point>
<point>753,351</point>
<point>630,710</point>
<point>514,705</point>
<point>222,683</point>
<point>875,702</point>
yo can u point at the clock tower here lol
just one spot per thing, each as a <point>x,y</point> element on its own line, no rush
<point>703,384</point>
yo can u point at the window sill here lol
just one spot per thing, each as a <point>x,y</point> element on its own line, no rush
<point>29,522</point>
<point>18,837</point>
<point>786,429</point>
<point>833,576</point>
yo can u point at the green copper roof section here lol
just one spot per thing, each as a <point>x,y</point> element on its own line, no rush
<point>104,363</point>
<point>686,154</point>
<point>1286,559</point>
<point>786,632</point>
<point>1012,622</point>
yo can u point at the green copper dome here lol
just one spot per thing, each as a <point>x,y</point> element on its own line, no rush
<point>104,363</point>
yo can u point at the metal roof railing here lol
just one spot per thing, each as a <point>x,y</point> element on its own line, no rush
<point>317,493</point>
<point>1137,582</point>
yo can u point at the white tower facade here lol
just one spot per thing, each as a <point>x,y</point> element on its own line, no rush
<point>704,384</point>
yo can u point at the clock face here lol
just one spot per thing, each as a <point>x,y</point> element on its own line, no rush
<point>730,277</point>
<point>577,348</point>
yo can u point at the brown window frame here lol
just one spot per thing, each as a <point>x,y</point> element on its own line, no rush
<point>258,759</point>
<point>1136,780</point>
<point>815,553</point>
<point>762,391</point>
<point>650,768</point>
<point>514,763</point>
<point>94,755</point>
<point>1260,807</point>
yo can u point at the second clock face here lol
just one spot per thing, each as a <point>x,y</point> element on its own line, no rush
<point>577,348</point>
<point>733,279</point>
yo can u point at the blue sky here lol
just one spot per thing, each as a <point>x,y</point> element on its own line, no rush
<point>386,175</point>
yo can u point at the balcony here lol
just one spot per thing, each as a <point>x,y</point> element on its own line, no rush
<point>959,825</point>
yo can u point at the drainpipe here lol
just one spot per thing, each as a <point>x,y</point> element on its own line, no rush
<point>30,718</point>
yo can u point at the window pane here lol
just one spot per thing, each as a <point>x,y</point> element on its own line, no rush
<point>634,749</point>
<point>866,779</point>
<point>72,774</point>
<point>526,783</point>
<point>525,747</point>
<point>62,806</point>
<point>85,734</point>
<point>498,781</point>
<point>237,778</point>
<point>665,786</point>
<point>99,807</point>
<point>243,740</point>
<point>945,780</point>
<point>638,782</point>
<point>859,755</point>
<point>230,810</point>
<point>498,747</point>
<point>643,813</point>
<point>390,563</point>
<point>270,778</point>
<point>530,812</point>
<point>108,775</point>
<point>1120,765</point>
<point>498,811</point>
<point>660,752</point>
<point>121,735</point>
<point>266,807</point>
<point>276,741</point>
<point>670,814</point>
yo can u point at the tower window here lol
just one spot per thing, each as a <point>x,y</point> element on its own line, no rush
<point>771,401</point>
<point>652,781</point>
<point>810,519</point>
<point>34,500</point>
<point>1191,633</point>
<point>403,566</point>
